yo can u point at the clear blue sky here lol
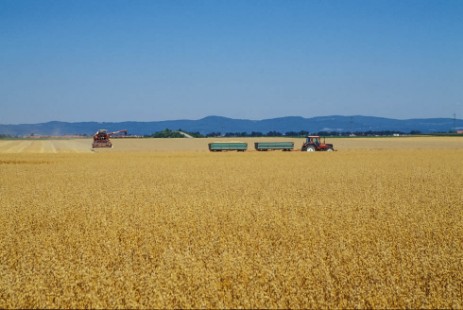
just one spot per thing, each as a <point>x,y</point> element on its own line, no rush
<point>156,60</point>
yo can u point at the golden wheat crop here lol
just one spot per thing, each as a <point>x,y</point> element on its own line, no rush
<point>377,226</point>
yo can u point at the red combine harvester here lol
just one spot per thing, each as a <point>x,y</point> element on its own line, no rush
<point>313,143</point>
<point>101,138</point>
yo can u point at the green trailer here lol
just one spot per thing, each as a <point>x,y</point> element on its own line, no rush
<point>228,146</point>
<point>265,146</point>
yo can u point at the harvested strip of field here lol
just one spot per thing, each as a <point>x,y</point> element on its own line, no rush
<point>45,146</point>
<point>73,146</point>
<point>17,146</point>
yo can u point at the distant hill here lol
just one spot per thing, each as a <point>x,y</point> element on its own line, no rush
<point>223,125</point>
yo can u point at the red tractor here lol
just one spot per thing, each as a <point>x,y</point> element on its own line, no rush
<point>313,143</point>
<point>101,138</point>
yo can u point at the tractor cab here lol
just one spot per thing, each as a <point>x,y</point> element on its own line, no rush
<point>313,140</point>
<point>314,143</point>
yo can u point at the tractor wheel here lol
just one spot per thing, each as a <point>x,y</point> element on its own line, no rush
<point>310,149</point>
<point>329,149</point>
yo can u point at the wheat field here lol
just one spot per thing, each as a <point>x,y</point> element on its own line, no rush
<point>166,224</point>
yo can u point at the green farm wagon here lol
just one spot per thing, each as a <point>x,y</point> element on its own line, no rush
<point>228,146</point>
<point>267,146</point>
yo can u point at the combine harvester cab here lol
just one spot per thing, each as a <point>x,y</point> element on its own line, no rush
<point>270,146</point>
<point>314,144</point>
